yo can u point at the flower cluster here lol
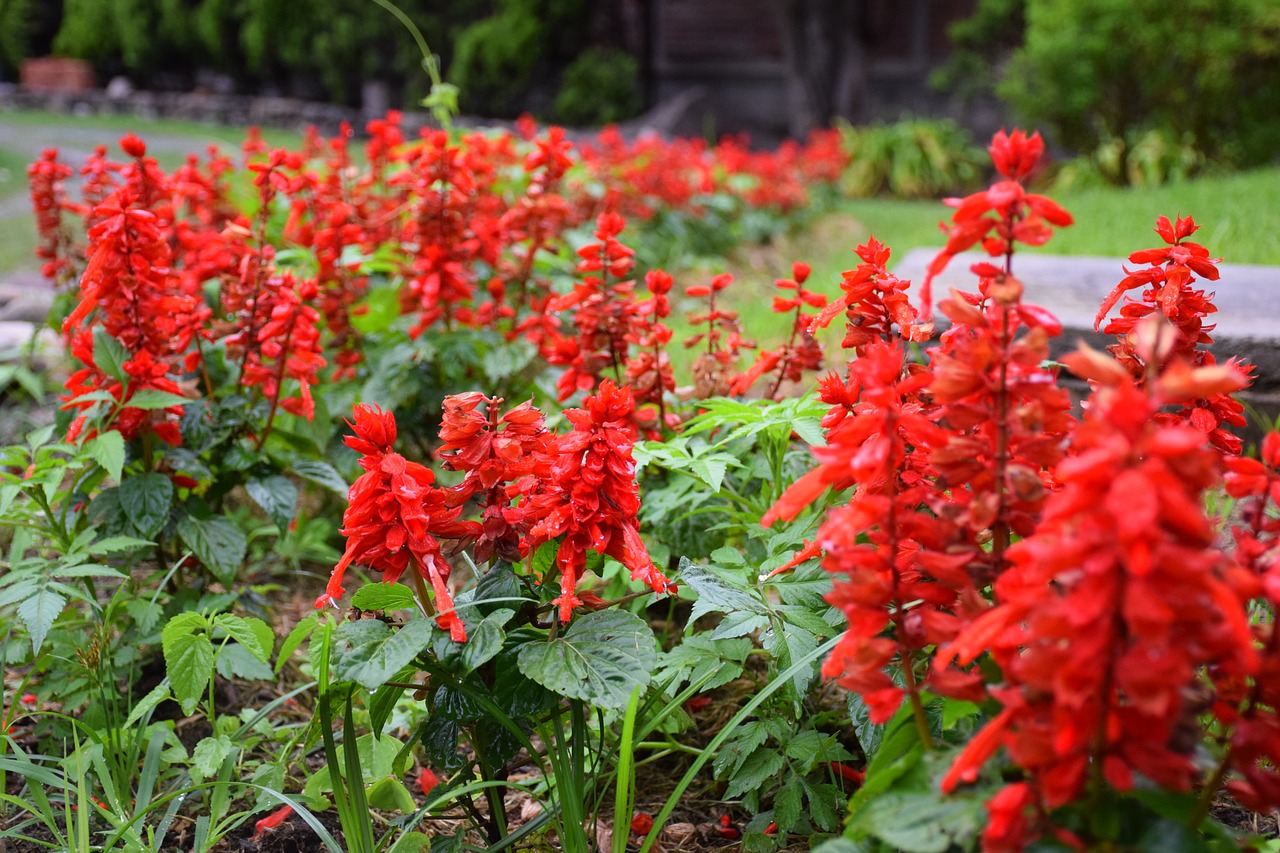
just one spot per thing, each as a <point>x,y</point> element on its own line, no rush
<point>577,489</point>
<point>397,515</point>
<point>1168,281</point>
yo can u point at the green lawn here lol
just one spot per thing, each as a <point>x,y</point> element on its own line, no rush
<point>113,126</point>
<point>1240,215</point>
<point>13,172</point>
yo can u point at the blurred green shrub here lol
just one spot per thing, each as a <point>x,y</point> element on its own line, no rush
<point>600,86</point>
<point>495,58</point>
<point>916,158</point>
<point>1200,72</point>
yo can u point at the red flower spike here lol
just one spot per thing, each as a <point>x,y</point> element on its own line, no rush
<point>590,498</point>
<point>1146,347</point>
<point>395,516</point>
<point>1110,611</point>
<point>1003,214</point>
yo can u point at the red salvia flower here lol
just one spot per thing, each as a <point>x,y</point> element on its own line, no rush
<point>591,498</point>
<point>801,352</point>
<point>1016,215</point>
<point>46,177</point>
<point>1110,609</point>
<point>494,451</point>
<point>1169,291</point>
<point>874,302</point>
<point>394,517</point>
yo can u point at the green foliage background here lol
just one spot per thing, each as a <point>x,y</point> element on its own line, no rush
<point>496,51</point>
<point>1199,73</point>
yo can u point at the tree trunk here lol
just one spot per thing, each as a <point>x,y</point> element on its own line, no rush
<point>826,57</point>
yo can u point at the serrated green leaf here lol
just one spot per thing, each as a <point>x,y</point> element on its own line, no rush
<point>710,470</point>
<point>788,644</point>
<point>146,500</point>
<point>209,754</point>
<point>920,822</point>
<point>369,653</point>
<point>320,473</point>
<point>217,543</point>
<point>107,449</point>
<point>188,658</point>
<point>700,659</point>
<point>39,612</point>
<point>236,661</point>
<point>88,570</point>
<point>715,594</point>
<point>278,497</point>
<point>727,557</point>
<point>824,805</point>
<point>246,634</point>
<point>109,355</point>
<point>600,659</point>
<point>810,431</point>
<point>116,544</point>
<point>545,557</point>
<point>485,640</point>
<point>786,807</point>
<point>383,596</point>
<point>760,767</point>
<point>149,399</point>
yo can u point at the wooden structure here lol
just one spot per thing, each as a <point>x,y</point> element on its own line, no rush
<point>777,67</point>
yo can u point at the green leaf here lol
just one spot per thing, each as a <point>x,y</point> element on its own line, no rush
<point>761,766</point>
<point>278,497</point>
<point>247,634</point>
<point>109,355</point>
<point>391,795</point>
<point>840,845</point>
<point>788,644</point>
<point>699,659</point>
<point>148,703</point>
<point>600,659</point>
<point>383,596</point>
<point>107,449</point>
<point>236,661</point>
<point>296,638</point>
<point>715,594</point>
<point>209,754</point>
<point>955,710</point>
<point>320,473</point>
<point>1170,836</point>
<point>369,653</point>
<point>39,612</point>
<point>146,500</point>
<point>825,801</point>
<point>923,822</point>
<point>411,842</point>
<point>786,807</point>
<point>153,398</point>
<point>485,640</point>
<point>545,557</point>
<point>188,658</point>
<point>116,544</point>
<point>217,543</point>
